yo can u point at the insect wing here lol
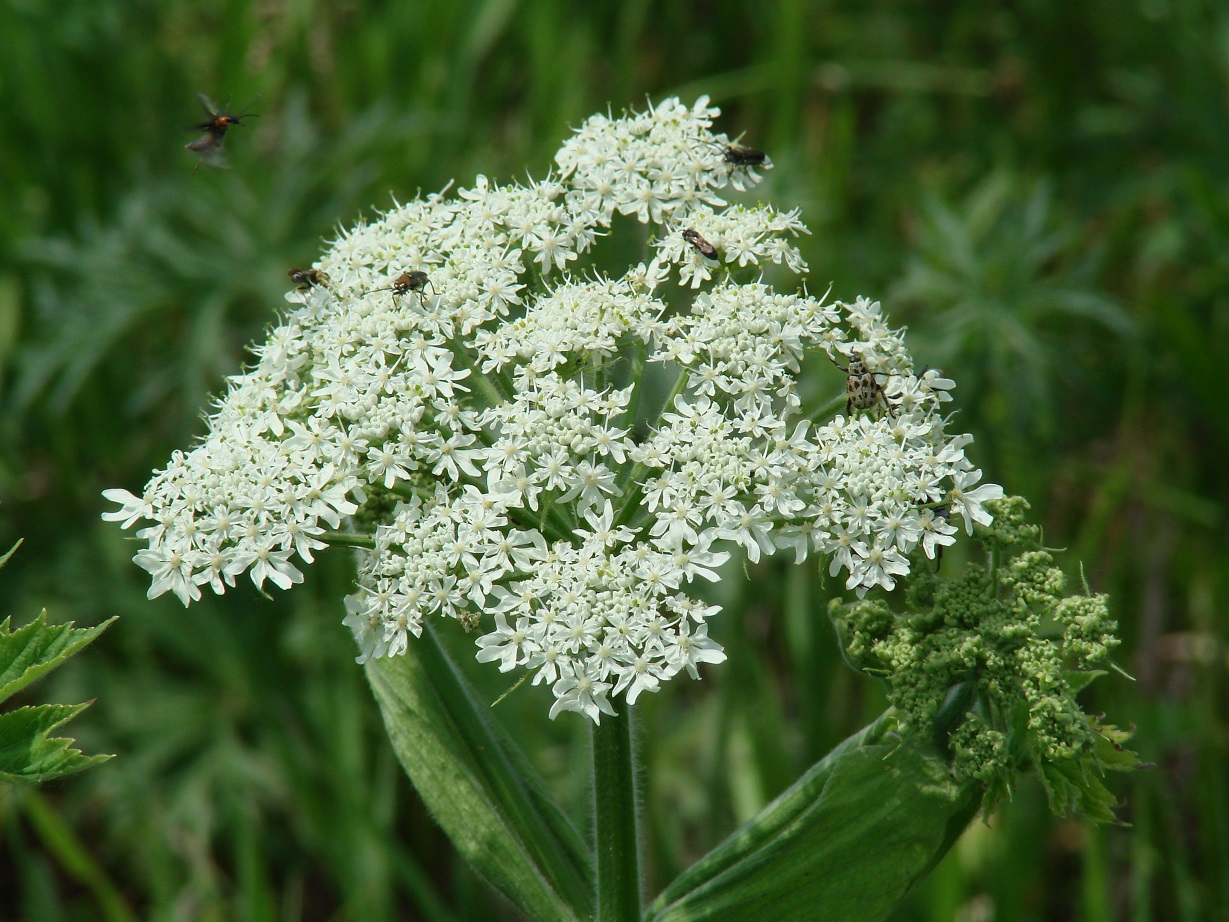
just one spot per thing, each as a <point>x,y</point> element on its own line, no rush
<point>211,124</point>
<point>206,144</point>
<point>705,248</point>
<point>211,108</point>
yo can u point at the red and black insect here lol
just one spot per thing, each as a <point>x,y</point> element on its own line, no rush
<point>705,248</point>
<point>306,278</point>
<point>414,280</point>
<point>862,390</point>
<point>209,144</point>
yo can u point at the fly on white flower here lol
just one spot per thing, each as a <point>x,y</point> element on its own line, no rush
<point>742,156</point>
<point>560,460</point>
<point>415,280</point>
<point>703,247</point>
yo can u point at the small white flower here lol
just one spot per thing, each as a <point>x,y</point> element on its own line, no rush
<point>968,503</point>
<point>132,508</point>
<point>690,649</point>
<point>172,572</point>
<point>937,533</point>
<point>577,690</point>
<point>505,645</point>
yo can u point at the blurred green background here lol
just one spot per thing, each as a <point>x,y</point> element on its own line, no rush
<point>1040,190</point>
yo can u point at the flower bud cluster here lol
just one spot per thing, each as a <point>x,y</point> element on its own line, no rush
<point>550,453</point>
<point>990,662</point>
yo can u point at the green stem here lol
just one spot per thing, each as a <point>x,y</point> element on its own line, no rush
<point>828,409</point>
<point>73,856</point>
<point>490,388</point>
<point>640,355</point>
<point>615,811</point>
<point>994,572</point>
<point>347,539</point>
<point>630,483</point>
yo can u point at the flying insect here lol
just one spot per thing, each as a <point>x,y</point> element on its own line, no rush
<point>219,121</point>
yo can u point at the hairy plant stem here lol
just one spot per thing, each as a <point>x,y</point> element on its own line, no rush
<point>616,813</point>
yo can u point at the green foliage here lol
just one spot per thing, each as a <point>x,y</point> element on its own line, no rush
<point>989,663</point>
<point>1011,292</point>
<point>28,753</point>
<point>479,786</point>
<point>845,842</point>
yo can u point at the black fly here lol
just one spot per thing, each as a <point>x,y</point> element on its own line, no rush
<point>414,280</point>
<point>736,155</point>
<point>306,278</point>
<point>705,248</point>
<point>743,156</point>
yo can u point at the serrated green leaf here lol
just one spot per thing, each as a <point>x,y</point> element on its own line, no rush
<point>1072,787</point>
<point>846,842</point>
<point>479,786</point>
<point>1109,749</point>
<point>28,754</point>
<point>30,652</point>
<point>1075,786</point>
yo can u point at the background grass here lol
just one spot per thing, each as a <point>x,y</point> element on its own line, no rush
<point>1039,189</point>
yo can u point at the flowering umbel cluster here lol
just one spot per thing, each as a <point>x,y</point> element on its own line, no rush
<point>551,454</point>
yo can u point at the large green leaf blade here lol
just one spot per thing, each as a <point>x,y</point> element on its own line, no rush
<point>845,842</point>
<point>30,652</point>
<point>479,786</point>
<point>27,751</point>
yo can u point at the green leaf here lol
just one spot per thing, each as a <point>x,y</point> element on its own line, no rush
<point>479,786</point>
<point>30,652</point>
<point>28,754</point>
<point>1078,681</point>
<point>1074,786</point>
<point>9,553</point>
<point>846,842</point>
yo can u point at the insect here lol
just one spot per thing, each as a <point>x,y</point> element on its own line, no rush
<point>736,155</point>
<point>862,390</point>
<point>706,249</point>
<point>414,280</point>
<point>306,278</point>
<point>209,144</point>
<point>743,156</point>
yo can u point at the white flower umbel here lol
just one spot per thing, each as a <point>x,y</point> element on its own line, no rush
<point>551,456</point>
